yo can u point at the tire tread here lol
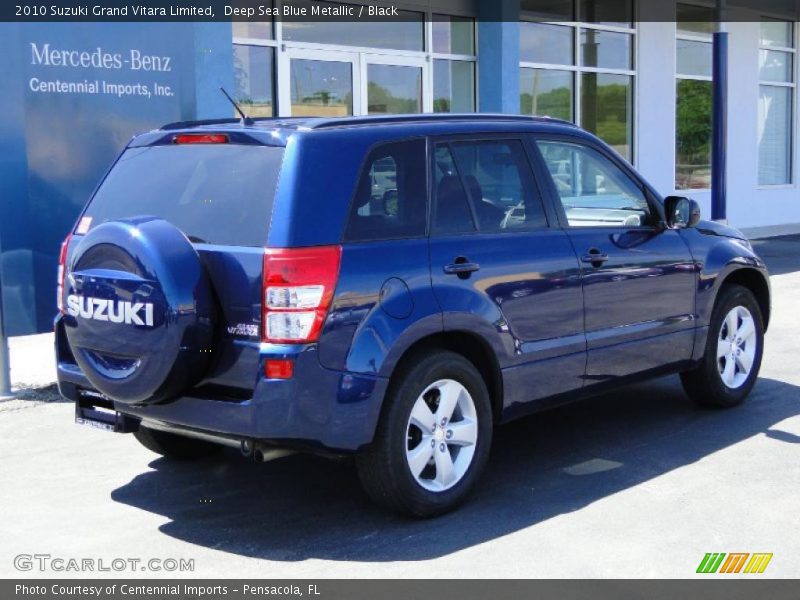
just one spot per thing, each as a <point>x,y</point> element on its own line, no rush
<point>702,383</point>
<point>377,466</point>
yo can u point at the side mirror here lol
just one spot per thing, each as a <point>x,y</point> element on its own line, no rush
<point>681,212</point>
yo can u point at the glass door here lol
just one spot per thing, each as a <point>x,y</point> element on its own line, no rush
<point>395,85</point>
<point>320,84</point>
<point>332,83</point>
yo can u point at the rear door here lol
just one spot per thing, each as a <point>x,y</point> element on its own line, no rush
<point>220,195</point>
<point>497,263</point>
<point>384,287</point>
<point>638,277</point>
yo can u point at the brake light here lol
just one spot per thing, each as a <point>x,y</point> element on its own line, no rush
<point>200,138</point>
<point>62,272</point>
<point>297,289</point>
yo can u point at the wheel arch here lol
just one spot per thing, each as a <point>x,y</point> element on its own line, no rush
<point>471,346</point>
<point>755,281</point>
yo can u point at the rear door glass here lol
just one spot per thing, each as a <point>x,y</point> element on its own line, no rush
<point>494,178</point>
<point>391,197</point>
<point>452,213</point>
<point>214,193</point>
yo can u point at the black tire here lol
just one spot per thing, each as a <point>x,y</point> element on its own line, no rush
<point>383,468</point>
<point>174,446</point>
<point>704,384</point>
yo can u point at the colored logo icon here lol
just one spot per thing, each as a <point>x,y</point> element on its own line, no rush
<point>735,562</point>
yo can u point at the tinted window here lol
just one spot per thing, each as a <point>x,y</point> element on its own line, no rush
<point>593,190</point>
<point>544,43</point>
<point>252,72</point>
<point>214,193</point>
<point>452,212</point>
<point>405,31</point>
<point>606,49</point>
<point>390,201</point>
<point>496,179</point>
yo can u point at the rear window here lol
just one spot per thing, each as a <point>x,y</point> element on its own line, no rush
<point>214,193</point>
<point>391,198</point>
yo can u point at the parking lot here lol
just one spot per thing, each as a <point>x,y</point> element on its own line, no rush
<point>638,483</point>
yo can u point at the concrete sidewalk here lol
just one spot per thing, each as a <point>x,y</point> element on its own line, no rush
<point>32,361</point>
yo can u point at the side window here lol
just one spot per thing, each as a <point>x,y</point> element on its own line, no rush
<point>593,190</point>
<point>452,213</point>
<point>391,197</point>
<point>492,177</point>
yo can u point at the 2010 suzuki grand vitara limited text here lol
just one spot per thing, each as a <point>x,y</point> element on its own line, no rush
<point>388,287</point>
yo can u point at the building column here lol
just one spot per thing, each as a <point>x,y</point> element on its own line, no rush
<point>498,56</point>
<point>654,109</point>
<point>719,130</point>
<point>213,45</point>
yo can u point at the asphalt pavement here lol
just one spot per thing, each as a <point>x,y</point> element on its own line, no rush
<point>638,483</point>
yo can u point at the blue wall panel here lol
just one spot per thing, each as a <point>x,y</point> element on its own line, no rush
<point>498,56</point>
<point>16,265</point>
<point>213,69</point>
<point>75,94</point>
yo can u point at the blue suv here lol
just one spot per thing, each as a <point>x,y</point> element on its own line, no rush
<point>389,287</point>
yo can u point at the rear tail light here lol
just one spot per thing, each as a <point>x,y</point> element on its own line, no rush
<point>298,287</point>
<point>62,272</point>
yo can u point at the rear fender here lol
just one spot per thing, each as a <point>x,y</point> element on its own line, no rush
<point>378,346</point>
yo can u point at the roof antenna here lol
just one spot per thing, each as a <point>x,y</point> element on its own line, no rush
<point>245,119</point>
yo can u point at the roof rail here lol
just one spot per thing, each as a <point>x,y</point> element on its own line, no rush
<point>331,122</point>
<point>324,123</point>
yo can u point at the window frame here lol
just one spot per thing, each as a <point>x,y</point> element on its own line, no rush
<point>433,56</point>
<point>366,54</point>
<point>363,170</point>
<point>654,202</point>
<point>274,71</point>
<point>706,38</point>
<point>794,113</point>
<point>550,215</point>
<point>577,69</point>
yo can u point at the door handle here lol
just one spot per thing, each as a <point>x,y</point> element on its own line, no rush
<point>595,257</point>
<point>461,267</point>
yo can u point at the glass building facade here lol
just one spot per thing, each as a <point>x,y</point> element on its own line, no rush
<point>644,87</point>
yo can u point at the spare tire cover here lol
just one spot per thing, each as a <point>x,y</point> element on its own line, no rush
<point>139,310</point>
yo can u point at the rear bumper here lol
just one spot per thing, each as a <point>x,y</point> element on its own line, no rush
<point>318,408</point>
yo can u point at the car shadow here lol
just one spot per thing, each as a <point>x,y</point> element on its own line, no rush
<point>546,465</point>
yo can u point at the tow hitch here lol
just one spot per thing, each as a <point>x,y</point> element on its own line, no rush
<point>95,410</point>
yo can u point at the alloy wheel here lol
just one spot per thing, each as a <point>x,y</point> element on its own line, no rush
<point>441,435</point>
<point>736,347</point>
